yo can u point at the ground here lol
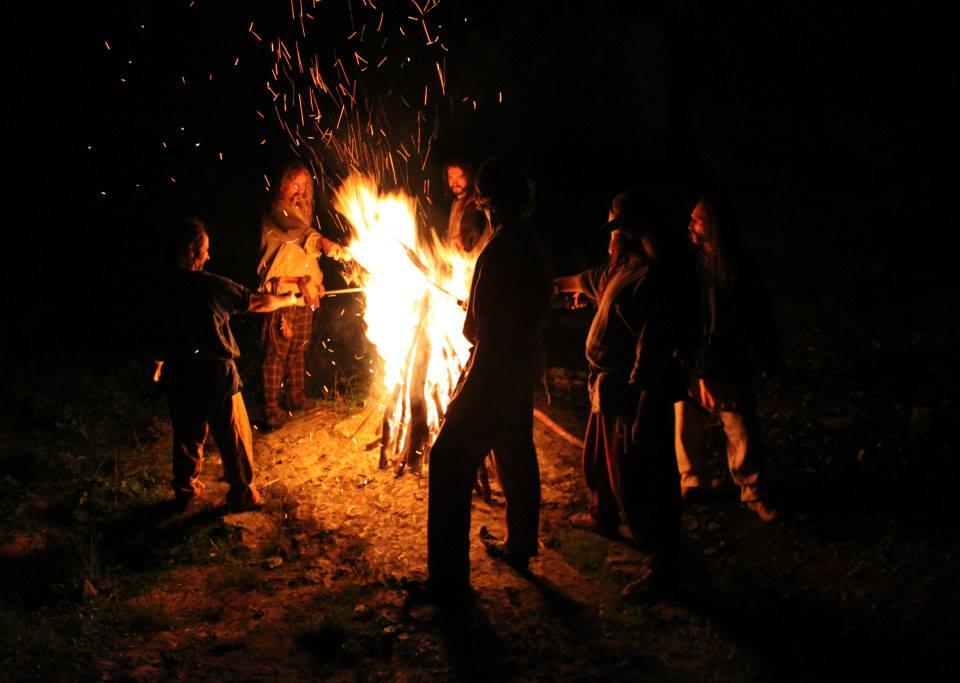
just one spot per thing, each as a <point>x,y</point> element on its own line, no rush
<point>856,581</point>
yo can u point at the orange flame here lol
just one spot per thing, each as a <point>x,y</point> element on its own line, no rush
<point>406,300</point>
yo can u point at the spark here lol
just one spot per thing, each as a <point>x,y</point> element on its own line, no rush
<point>443,86</point>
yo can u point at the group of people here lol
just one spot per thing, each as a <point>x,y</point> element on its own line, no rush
<point>193,347</point>
<point>681,327</point>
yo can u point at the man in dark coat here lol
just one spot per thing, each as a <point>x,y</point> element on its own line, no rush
<point>738,341</point>
<point>467,227</point>
<point>194,356</point>
<point>493,405</point>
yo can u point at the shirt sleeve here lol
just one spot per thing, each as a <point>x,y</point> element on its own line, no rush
<point>229,296</point>
<point>592,282</point>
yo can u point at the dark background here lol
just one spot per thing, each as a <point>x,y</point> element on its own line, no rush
<point>831,126</point>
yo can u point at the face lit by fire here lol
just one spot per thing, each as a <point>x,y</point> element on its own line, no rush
<point>458,180</point>
<point>699,223</point>
<point>200,252</point>
<point>296,193</point>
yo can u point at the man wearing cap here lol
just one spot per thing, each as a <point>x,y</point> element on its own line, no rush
<point>640,330</point>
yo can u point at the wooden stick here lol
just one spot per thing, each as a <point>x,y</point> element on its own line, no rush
<point>557,429</point>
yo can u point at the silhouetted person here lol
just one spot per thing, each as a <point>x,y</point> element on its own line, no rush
<point>289,249</point>
<point>643,325</point>
<point>194,354</point>
<point>492,407</point>
<point>738,340</point>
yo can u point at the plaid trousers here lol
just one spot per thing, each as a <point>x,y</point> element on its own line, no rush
<point>283,358</point>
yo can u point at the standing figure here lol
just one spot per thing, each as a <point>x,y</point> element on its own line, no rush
<point>194,354</point>
<point>467,227</point>
<point>641,330</point>
<point>738,339</point>
<point>493,405</point>
<point>289,248</point>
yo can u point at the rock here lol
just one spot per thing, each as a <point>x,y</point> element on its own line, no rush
<point>272,562</point>
<point>255,528</point>
<point>22,544</point>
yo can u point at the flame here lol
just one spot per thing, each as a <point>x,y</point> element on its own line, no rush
<point>412,289</point>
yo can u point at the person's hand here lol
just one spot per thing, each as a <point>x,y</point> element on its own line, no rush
<point>336,252</point>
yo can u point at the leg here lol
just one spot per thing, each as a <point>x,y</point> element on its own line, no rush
<point>745,460</point>
<point>689,441</point>
<point>231,429</point>
<point>302,321</point>
<point>189,436</point>
<point>519,473</point>
<point>601,438</point>
<point>744,456</point>
<point>275,351</point>
<point>456,454</point>
<point>649,489</point>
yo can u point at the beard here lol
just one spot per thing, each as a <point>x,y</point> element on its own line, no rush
<point>295,208</point>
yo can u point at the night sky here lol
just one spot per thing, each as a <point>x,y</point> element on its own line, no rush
<point>829,125</point>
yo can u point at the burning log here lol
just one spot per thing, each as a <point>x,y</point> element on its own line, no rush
<point>386,428</point>
<point>418,427</point>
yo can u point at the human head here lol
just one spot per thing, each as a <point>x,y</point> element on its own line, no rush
<point>504,188</point>
<point>624,220</point>
<point>295,191</point>
<point>459,177</point>
<point>191,245</point>
<point>649,225</point>
<point>700,227</point>
<point>713,226</point>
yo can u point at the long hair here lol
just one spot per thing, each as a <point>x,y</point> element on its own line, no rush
<point>721,237</point>
<point>292,170</point>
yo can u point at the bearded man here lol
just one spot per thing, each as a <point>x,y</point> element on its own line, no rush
<point>289,249</point>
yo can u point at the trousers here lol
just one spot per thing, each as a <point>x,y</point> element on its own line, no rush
<point>484,415</point>
<point>744,454</point>
<point>193,416</point>
<point>283,358</point>
<point>637,479</point>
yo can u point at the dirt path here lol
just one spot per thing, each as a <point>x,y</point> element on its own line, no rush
<point>320,594</point>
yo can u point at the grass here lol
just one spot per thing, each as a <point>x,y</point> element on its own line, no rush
<point>585,552</point>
